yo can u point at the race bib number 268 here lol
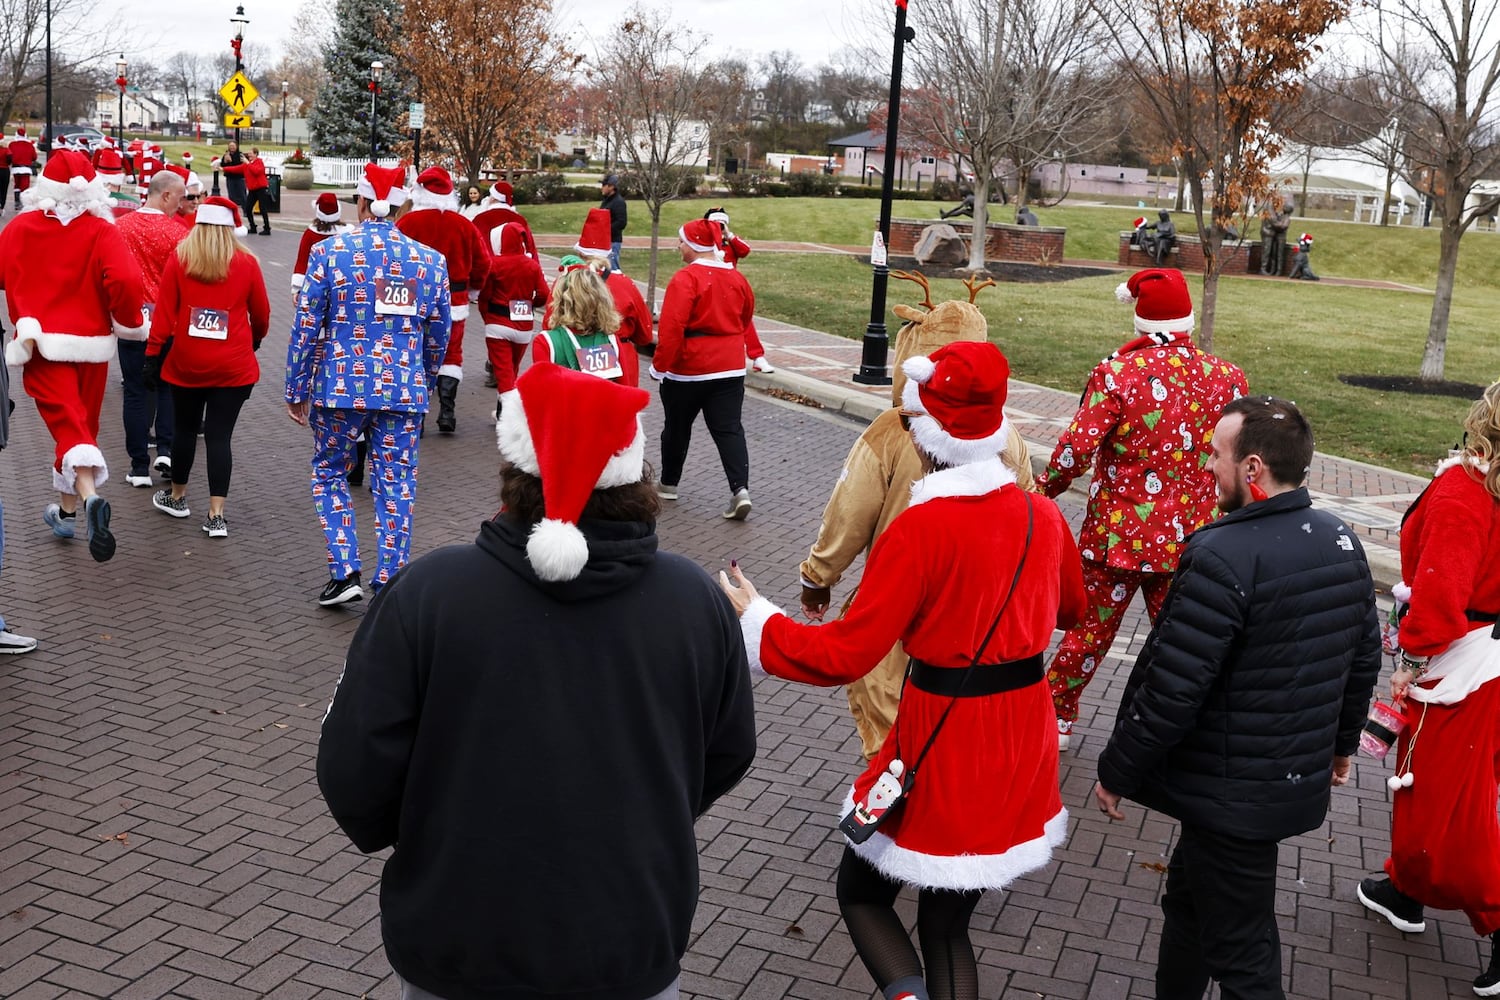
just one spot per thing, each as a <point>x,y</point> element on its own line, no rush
<point>395,296</point>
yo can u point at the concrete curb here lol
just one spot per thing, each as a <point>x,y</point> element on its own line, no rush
<point>1385,562</point>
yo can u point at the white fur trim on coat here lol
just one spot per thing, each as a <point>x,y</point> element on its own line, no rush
<point>56,346</point>
<point>80,456</point>
<point>752,624</point>
<point>1459,670</point>
<point>458,311</point>
<point>423,200</point>
<point>297,280</point>
<point>452,371</point>
<point>960,871</point>
<point>973,480</point>
<point>142,332</point>
<point>499,331</point>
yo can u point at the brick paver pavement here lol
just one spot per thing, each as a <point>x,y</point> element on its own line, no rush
<point>161,833</point>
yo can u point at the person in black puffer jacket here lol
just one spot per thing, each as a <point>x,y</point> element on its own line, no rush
<point>1246,702</point>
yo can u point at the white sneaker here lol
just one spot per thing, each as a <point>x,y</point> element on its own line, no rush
<point>763,364</point>
<point>667,491</point>
<point>739,506</point>
<point>163,466</point>
<point>141,481</point>
<point>10,642</point>
<point>1064,734</point>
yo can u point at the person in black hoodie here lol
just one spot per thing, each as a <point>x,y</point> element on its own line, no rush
<point>1246,702</point>
<point>536,750</point>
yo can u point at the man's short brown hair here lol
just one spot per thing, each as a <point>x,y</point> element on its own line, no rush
<point>1277,431</point>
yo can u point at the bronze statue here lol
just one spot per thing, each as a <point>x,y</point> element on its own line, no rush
<point>1301,264</point>
<point>1163,237</point>
<point>965,207</point>
<point>1274,219</point>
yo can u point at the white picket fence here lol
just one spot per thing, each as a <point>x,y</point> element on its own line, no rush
<point>340,171</point>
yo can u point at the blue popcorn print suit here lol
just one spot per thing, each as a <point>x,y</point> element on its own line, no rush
<point>371,329</point>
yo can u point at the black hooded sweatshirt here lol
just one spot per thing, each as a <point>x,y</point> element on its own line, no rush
<point>537,754</point>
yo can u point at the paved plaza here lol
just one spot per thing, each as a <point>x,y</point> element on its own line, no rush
<point>161,831</point>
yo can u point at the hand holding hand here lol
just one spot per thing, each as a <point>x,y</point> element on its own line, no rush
<point>1109,802</point>
<point>739,589</point>
<point>815,602</point>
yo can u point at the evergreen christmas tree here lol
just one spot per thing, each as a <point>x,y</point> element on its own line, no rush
<point>340,116</point>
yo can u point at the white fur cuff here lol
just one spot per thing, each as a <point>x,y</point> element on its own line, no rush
<point>752,624</point>
<point>452,371</point>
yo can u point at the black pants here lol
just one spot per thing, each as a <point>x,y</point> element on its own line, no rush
<point>255,198</point>
<point>215,410</point>
<point>4,185</point>
<point>1220,908</point>
<point>720,401</point>
<point>142,409</point>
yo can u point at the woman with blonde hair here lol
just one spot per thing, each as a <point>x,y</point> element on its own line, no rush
<point>1445,837</point>
<point>211,315</point>
<point>581,327</point>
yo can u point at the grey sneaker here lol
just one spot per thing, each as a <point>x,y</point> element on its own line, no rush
<point>667,491</point>
<point>739,506</point>
<point>215,526</point>
<point>61,526</point>
<point>162,501</point>
<point>10,642</point>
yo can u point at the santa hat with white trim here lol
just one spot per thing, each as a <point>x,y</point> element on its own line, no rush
<point>383,187</point>
<point>701,235</point>
<point>956,399</point>
<point>220,212</point>
<point>1162,301</point>
<point>509,239</point>
<point>326,207</point>
<point>68,187</point>
<point>111,166</point>
<point>594,241</point>
<point>434,189</point>
<point>577,434</point>
<point>502,192</point>
<point>1305,238</point>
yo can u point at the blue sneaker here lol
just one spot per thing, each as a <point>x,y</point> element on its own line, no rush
<point>101,542</point>
<point>61,526</point>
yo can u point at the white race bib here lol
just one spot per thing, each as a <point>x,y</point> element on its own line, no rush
<point>603,361</point>
<point>209,324</point>
<point>520,310</point>
<point>395,296</point>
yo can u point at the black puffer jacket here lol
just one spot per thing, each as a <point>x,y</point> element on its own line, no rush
<point>1258,672</point>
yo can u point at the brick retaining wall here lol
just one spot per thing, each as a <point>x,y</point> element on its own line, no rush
<point>1238,258</point>
<point>1032,244</point>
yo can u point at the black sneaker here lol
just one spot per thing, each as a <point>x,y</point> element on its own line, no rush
<point>101,540</point>
<point>1403,912</point>
<point>341,591</point>
<point>1487,983</point>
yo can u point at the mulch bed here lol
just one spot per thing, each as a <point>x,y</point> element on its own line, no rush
<point>1414,386</point>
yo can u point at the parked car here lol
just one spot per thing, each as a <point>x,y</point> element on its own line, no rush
<point>90,135</point>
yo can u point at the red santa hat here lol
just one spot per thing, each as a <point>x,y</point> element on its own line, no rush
<point>434,189</point>
<point>187,157</point>
<point>595,239</point>
<point>326,207</point>
<point>111,165</point>
<point>69,187</point>
<point>956,396</point>
<point>502,192</point>
<point>20,131</point>
<point>1305,238</point>
<point>182,172</point>
<point>699,234</point>
<point>383,187</point>
<point>220,212</point>
<point>1138,223</point>
<point>577,433</point>
<point>507,239</point>
<point>1162,302</point>
<point>194,182</point>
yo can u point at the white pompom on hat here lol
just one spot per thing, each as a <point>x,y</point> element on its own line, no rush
<point>1162,301</point>
<point>383,187</point>
<point>956,399</point>
<point>577,434</point>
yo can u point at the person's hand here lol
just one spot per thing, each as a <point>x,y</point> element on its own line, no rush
<point>1400,681</point>
<point>1109,802</point>
<point>299,411</point>
<point>815,602</point>
<point>1341,768</point>
<point>737,587</point>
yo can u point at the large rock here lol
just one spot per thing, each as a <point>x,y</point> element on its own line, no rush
<point>940,245</point>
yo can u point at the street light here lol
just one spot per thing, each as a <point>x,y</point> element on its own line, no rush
<point>285,86</point>
<point>239,20</point>
<point>872,362</point>
<point>376,68</point>
<point>120,82</point>
<point>47,135</point>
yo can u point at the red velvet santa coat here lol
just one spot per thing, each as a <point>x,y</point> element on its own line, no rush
<point>512,276</point>
<point>1445,838</point>
<point>254,172</point>
<point>985,807</point>
<point>455,237</point>
<point>68,288</point>
<point>310,238</point>
<point>703,317</point>
<point>1146,418</point>
<point>22,155</point>
<point>152,238</point>
<point>486,221</point>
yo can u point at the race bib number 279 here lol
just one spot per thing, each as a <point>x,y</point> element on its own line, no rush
<point>395,296</point>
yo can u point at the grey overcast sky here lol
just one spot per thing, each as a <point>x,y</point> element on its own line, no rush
<point>813,29</point>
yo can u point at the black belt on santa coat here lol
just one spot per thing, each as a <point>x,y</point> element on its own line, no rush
<point>988,678</point>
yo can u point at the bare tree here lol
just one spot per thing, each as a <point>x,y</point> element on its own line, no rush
<point>655,96</point>
<point>23,25</point>
<point>1217,75</point>
<point>1439,63</point>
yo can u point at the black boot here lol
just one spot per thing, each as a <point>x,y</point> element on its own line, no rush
<point>361,454</point>
<point>1487,983</point>
<point>447,388</point>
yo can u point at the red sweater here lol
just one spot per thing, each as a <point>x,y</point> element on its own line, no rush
<point>203,360</point>
<point>635,324</point>
<point>152,238</point>
<point>254,172</point>
<point>455,237</point>
<point>703,317</point>
<point>512,276</point>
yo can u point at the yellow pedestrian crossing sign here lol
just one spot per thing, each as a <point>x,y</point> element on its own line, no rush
<point>239,93</point>
<point>237,121</point>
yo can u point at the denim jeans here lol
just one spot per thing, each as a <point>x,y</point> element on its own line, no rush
<point>142,407</point>
<point>614,256</point>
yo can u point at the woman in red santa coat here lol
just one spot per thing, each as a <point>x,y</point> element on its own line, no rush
<point>1445,837</point>
<point>972,579</point>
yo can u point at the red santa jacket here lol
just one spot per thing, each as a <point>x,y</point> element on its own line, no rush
<point>152,238</point>
<point>1450,558</point>
<point>486,221</point>
<point>635,323</point>
<point>254,172</point>
<point>1146,418</point>
<point>455,237</point>
<point>513,277</point>
<point>311,238</point>
<point>701,335</point>
<point>4,157</point>
<point>68,288</point>
<point>215,327</point>
<point>22,155</point>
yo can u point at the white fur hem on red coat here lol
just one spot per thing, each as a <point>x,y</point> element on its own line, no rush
<point>499,331</point>
<point>752,624</point>
<point>960,871</point>
<point>56,346</point>
<point>80,456</point>
<point>974,479</point>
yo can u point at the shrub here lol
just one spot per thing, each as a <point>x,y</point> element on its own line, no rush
<point>808,184</point>
<point>745,184</point>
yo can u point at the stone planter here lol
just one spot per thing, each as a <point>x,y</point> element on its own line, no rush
<point>297,178</point>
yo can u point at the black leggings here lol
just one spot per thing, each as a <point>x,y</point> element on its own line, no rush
<point>215,410</point>
<point>867,901</point>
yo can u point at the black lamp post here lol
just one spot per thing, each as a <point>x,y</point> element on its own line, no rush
<point>239,20</point>
<point>47,134</point>
<point>120,82</point>
<point>376,68</point>
<point>285,86</point>
<point>873,369</point>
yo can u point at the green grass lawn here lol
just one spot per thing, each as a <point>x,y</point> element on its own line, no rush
<point>1292,338</point>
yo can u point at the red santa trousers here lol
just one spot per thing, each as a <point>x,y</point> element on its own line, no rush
<point>69,395</point>
<point>1445,837</point>
<point>1109,591</point>
<point>505,360</point>
<point>453,361</point>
